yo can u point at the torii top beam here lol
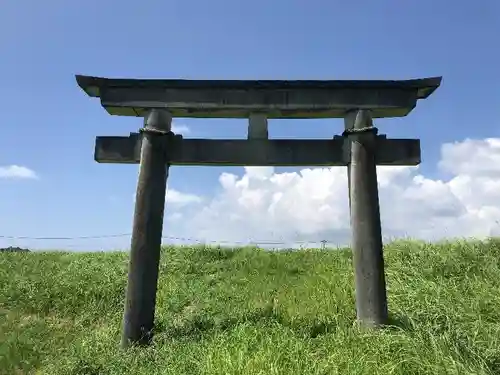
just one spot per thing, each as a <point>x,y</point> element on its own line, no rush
<point>277,99</point>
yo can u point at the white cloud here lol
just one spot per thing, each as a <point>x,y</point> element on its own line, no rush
<point>312,204</point>
<point>180,129</point>
<point>175,216</point>
<point>17,172</point>
<point>179,198</point>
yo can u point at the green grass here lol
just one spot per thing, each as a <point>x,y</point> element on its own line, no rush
<point>249,311</point>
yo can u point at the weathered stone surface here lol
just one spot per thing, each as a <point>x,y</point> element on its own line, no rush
<point>257,152</point>
<point>277,99</point>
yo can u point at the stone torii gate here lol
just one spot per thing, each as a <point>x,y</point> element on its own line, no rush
<point>156,147</point>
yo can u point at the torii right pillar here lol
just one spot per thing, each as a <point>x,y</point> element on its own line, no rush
<point>368,259</point>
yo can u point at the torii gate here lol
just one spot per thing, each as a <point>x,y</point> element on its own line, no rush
<point>156,147</point>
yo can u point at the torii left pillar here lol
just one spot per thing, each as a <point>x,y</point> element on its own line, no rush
<point>138,319</point>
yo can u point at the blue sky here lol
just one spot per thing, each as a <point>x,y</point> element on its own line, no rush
<point>49,124</point>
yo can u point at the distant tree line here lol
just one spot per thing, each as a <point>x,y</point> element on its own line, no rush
<point>12,249</point>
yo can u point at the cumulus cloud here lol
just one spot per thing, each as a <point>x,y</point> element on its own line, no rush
<point>179,201</point>
<point>312,204</point>
<point>17,172</point>
<point>179,198</point>
<point>180,129</point>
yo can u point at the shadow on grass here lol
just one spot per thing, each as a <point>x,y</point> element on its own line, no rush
<point>199,325</point>
<point>396,322</point>
<point>194,327</point>
<point>401,322</point>
<point>493,363</point>
<point>86,367</point>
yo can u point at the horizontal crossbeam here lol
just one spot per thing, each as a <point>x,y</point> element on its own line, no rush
<point>277,99</point>
<point>256,152</point>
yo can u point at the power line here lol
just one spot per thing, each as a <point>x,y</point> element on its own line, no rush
<point>185,239</point>
<point>263,242</point>
<point>65,238</point>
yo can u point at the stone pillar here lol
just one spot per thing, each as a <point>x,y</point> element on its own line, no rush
<point>138,320</point>
<point>371,299</point>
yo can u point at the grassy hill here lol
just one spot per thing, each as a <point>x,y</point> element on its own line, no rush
<point>249,311</point>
